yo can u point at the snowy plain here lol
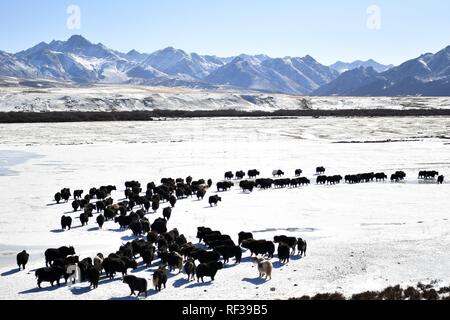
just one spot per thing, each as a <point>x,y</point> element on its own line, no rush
<point>360,237</point>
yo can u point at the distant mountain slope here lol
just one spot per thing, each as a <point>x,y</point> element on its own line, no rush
<point>428,74</point>
<point>342,67</point>
<point>12,66</point>
<point>289,75</point>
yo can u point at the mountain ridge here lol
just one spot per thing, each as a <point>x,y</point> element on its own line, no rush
<point>81,61</point>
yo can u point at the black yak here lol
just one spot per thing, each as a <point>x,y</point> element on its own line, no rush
<point>213,200</point>
<point>22,259</point>
<point>136,284</point>
<point>66,222</point>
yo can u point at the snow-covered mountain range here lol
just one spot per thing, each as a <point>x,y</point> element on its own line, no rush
<point>427,75</point>
<point>80,61</point>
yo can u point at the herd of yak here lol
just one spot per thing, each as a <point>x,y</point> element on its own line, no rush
<point>171,251</point>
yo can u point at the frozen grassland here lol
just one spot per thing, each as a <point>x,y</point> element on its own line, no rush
<point>360,237</point>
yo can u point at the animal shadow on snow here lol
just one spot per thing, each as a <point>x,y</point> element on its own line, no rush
<point>129,238</point>
<point>296,257</point>
<point>278,265</point>
<point>199,284</point>
<point>93,229</point>
<point>247,259</point>
<point>181,282</point>
<point>80,290</point>
<point>37,289</point>
<point>256,281</point>
<point>57,230</point>
<point>10,272</point>
<point>140,268</point>
<point>130,298</point>
<point>61,230</point>
<point>54,204</point>
<point>150,293</point>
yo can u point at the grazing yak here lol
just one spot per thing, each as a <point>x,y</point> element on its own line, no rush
<point>213,200</point>
<point>58,197</point>
<point>229,175</point>
<point>109,213</point>
<point>224,186</point>
<point>253,173</point>
<point>65,194</point>
<point>228,252</point>
<point>100,221</point>
<point>204,256</point>
<point>397,177</point>
<point>203,231</point>
<point>93,276</point>
<point>100,206</point>
<point>50,274</point>
<point>321,179</point>
<point>283,252</point>
<point>124,221</point>
<point>301,245</point>
<point>257,247</point>
<point>155,206</point>
<point>160,278</point>
<point>208,270</point>
<point>334,179</point>
<point>428,174</point>
<point>175,261</point>
<point>148,255</point>
<point>76,205</point>
<point>98,262</point>
<point>201,193</point>
<point>22,259</point>
<point>159,226</point>
<point>136,284</point>
<point>277,173</point>
<point>244,236</point>
<point>264,183</point>
<point>77,194</point>
<point>66,222</point>
<point>152,237</point>
<point>167,212</point>
<point>246,185</point>
<point>440,179</point>
<point>189,268</point>
<point>298,172</point>
<point>84,265</point>
<point>291,242</point>
<point>172,201</point>
<point>65,262</point>
<point>380,176</point>
<point>136,228</point>
<point>114,264</point>
<point>240,175</point>
<point>264,267</point>
<point>53,254</point>
<point>320,170</point>
<point>84,219</point>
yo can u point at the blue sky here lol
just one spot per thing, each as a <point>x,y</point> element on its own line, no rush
<point>327,30</point>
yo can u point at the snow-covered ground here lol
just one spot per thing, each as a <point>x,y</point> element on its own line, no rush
<point>15,96</point>
<point>360,237</point>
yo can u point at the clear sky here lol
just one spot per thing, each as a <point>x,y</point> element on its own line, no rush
<point>328,30</point>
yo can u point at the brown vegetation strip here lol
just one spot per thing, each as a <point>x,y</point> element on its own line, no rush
<point>78,116</point>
